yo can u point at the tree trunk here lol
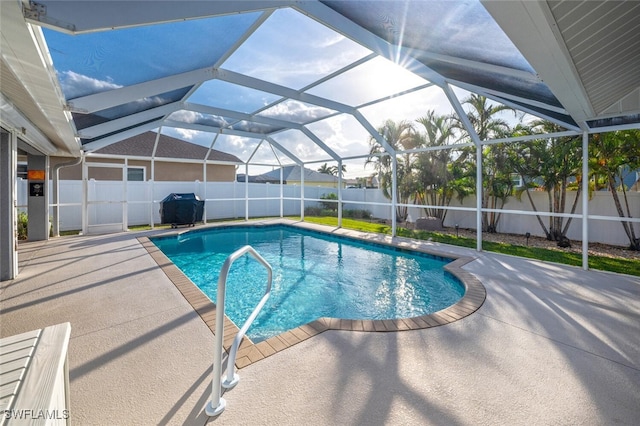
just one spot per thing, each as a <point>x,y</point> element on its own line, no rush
<point>628,226</point>
<point>550,198</point>
<point>535,209</point>
<point>557,221</point>
<point>573,210</point>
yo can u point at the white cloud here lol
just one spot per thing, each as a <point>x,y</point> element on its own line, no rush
<point>193,136</point>
<point>192,117</point>
<point>296,111</point>
<point>75,85</point>
<point>186,134</point>
<point>184,116</point>
<point>239,146</point>
<point>331,40</point>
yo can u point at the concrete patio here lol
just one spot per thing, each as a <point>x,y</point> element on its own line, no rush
<point>550,345</point>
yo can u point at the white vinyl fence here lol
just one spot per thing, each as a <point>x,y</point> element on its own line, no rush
<point>225,200</point>
<point>601,210</point>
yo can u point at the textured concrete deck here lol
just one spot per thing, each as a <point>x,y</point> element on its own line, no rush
<point>550,345</point>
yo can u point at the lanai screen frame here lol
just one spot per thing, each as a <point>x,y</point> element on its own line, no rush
<point>329,17</point>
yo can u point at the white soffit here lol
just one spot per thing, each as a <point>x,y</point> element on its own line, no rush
<point>588,53</point>
<point>603,39</point>
<point>531,27</point>
<point>29,82</point>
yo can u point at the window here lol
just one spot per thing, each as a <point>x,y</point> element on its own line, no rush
<point>135,174</point>
<point>516,180</point>
<point>22,170</point>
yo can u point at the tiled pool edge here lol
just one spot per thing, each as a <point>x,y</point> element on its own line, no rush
<point>250,352</point>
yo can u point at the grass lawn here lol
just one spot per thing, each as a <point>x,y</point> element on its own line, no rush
<point>618,265</point>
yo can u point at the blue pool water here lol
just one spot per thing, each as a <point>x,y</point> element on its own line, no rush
<point>314,275</point>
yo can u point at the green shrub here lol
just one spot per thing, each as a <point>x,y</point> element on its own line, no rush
<point>23,221</point>
<point>329,205</point>
<point>313,211</point>
<point>324,212</point>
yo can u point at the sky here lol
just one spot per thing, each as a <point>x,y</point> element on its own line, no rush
<point>289,49</point>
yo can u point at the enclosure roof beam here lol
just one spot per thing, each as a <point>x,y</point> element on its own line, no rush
<point>349,29</point>
<point>124,95</point>
<point>128,121</point>
<point>94,16</point>
<point>319,142</point>
<point>254,83</point>
<point>276,89</point>
<point>462,115</point>
<point>212,129</point>
<point>373,132</point>
<point>240,115</point>
<point>520,104</point>
<point>129,133</point>
<point>288,153</point>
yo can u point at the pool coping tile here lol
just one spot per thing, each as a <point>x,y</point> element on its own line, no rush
<point>250,352</point>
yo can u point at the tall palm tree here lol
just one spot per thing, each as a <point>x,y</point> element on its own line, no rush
<point>556,163</point>
<point>483,117</point>
<point>496,179</point>
<point>611,155</point>
<point>433,168</point>
<point>400,136</point>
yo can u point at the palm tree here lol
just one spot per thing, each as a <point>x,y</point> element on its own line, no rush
<point>334,170</point>
<point>325,169</point>
<point>400,136</point>
<point>496,176</point>
<point>612,154</point>
<point>483,117</point>
<point>557,164</point>
<point>433,168</point>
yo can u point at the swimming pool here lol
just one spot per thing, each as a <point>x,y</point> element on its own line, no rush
<point>343,277</point>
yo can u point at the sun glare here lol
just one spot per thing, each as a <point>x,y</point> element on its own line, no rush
<point>392,77</point>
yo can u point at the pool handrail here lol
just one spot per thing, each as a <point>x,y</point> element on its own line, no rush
<point>218,404</point>
<point>232,377</point>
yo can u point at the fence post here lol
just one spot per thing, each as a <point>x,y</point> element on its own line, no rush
<point>149,193</point>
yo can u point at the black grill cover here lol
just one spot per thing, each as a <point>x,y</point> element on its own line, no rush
<point>181,209</point>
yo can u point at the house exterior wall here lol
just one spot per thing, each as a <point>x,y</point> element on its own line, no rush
<point>168,172</point>
<point>164,171</point>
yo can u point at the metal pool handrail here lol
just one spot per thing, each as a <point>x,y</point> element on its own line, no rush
<point>218,404</point>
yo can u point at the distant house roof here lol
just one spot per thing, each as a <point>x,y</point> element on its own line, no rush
<point>240,177</point>
<point>289,173</point>
<point>292,173</point>
<point>168,147</point>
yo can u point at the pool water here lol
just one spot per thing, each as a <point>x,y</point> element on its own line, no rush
<point>314,275</point>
